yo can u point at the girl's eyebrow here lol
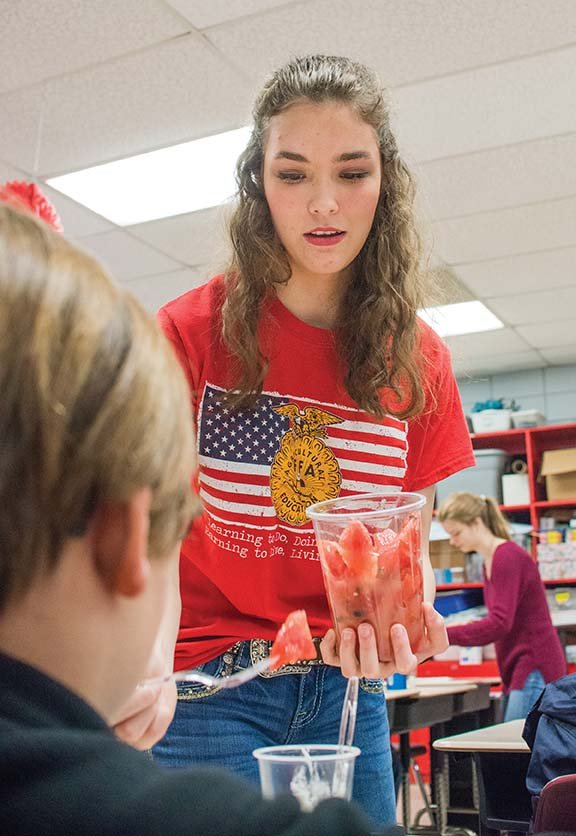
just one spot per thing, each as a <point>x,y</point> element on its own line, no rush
<point>353,155</point>
<point>341,158</point>
<point>290,155</point>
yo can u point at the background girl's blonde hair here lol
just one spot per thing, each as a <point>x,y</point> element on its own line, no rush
<point>464,507</point>
<point>94,405</point>
<point>377,333</point>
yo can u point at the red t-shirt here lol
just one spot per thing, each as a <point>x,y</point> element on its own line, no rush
<point>518,620</point>
<point>251,558</point>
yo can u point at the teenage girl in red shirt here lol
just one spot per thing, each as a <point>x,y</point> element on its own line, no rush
<point>310,335</point>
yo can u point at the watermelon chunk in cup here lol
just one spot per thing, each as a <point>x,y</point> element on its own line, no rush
<point>370,553</point>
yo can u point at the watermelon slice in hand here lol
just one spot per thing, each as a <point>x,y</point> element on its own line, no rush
<point>293,641</point>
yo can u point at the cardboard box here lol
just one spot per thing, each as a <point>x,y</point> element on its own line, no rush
<point>559,470</point>
<point>445,556</point>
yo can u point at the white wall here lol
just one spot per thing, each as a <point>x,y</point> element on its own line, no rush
<point>551,390</point>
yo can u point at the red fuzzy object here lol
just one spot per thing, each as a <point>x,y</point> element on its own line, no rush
<point>28,197</point>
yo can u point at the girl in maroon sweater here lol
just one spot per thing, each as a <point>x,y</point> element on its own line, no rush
<point>528,650</point>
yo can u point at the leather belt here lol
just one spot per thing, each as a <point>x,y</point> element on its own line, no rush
<point>260,649</point>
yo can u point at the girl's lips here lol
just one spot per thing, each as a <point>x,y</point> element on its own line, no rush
<point>327,239</point>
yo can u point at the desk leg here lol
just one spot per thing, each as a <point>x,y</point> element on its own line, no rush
<point>442,787</point>
<point>441,784</point>
<point>475,791</point>
<point>405,787</point>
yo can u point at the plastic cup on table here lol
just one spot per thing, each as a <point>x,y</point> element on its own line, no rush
<point>309,773</point>
<point>370,553</point>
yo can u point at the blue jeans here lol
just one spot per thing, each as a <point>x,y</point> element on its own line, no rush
<point>222,728</point>
<point>518,703</point>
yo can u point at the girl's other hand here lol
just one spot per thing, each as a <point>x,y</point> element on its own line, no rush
<point>358,654</point>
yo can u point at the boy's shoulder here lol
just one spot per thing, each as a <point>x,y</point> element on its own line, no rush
<point>74,781</point>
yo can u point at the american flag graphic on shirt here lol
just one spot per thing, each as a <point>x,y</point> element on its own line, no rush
<point>237,450</point>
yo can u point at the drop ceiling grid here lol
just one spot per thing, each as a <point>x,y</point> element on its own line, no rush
<point>154,98</point>
<point>542,226</point>
<point>511,102</point>
<point>406,42</point>
<point>528,308</point>
<point>126,257</point>
<point>165,287</point>
<point>484,101</point>
<point>196,238</point>
<point>497,178</point>
<point>524,273</point>
<point>62,37</point>
<point>549,333</point>
<point>477,366</point>
<point>203,14</point>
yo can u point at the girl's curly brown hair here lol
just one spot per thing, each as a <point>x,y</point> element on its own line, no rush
<point>376,329</point>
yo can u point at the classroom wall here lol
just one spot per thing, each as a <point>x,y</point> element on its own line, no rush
<point>551,390</point>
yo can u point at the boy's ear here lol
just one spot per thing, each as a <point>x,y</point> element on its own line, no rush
<point>119,540</point>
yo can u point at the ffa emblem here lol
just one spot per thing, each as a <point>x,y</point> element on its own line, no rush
<point>304,470</point>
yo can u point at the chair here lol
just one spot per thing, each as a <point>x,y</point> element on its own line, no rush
<point>556,808</point>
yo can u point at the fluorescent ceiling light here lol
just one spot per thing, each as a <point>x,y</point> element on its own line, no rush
<point>461,318</point>
<point>183,178</point>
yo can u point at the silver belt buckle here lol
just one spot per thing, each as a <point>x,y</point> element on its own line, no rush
<point>260,649</point>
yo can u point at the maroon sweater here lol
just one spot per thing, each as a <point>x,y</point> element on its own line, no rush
<point>518,620</point>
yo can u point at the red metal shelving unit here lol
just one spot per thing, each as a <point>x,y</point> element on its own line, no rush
<point>531,442</point>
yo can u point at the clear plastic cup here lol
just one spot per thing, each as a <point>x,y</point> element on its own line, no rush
<point>310,773</point>
<point>370,553</point>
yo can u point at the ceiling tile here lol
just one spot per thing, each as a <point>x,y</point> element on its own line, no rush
<point>492,106</point>
<point>125,257</point>
<point>549,334</point>
<point>486,343</point>
<point>543,226</point>
<point>8,172</point>
<point>204,13</point>
<point>508,362</point>
<point>406,41</point>
<point>21,127</point>
<point>525,308</point>
<point>155,291</point>
<point>144,101</point>
<point>564,355</point>
<point>531,172</point>
<point>76,219</point>
<point>195,238</point>
<point>520,273</point>
<point>62,36</point>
